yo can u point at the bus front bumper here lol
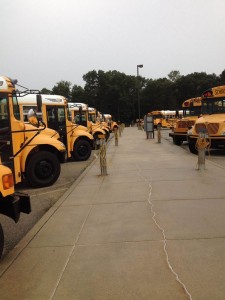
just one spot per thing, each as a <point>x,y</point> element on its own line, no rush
<point>12,205</point>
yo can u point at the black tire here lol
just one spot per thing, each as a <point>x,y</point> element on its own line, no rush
<point>107,134</point>
<point>192,148</point>
<point>176,141</point>
<point>81,150</point>
<point>1,240</point>
<point>42,169</point>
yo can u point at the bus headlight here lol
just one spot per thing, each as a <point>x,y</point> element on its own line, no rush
<point>7,181</point>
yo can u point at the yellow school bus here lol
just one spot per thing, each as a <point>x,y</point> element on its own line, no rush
<point>30,153</point>
<point>157,117</point>
<point>171,117</point>
<point>78,142</point>
<point>109,121</point>
<point>191,111</point>
<point>104,124</point>
<point>164,118</point>
<point>212,121</point>
<point>81,115</point>
<point>96,120</point>
<point>11,203</point>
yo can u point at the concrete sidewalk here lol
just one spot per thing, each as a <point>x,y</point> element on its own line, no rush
<point>154,228</point>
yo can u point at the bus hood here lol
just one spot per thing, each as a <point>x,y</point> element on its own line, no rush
<point>47,131</point>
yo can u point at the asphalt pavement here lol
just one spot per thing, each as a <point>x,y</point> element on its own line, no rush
<point>153,228</point>
<point>41,200</point>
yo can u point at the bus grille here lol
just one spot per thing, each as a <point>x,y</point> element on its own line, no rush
<point>211,128</point>
<point>185,124</point>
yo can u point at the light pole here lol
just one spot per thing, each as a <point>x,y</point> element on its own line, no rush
<point>139,106</point>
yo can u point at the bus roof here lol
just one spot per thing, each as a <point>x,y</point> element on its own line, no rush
<point>91,109</point>
<point>168,111</point>
<point>218,91</point>
<point>164,112</point>
<point>155,112</point>
<point>197,101</point>
<point>46,99</point>
<point>77,105</point>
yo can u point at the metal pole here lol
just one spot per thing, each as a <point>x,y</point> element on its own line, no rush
<point>139,109</point>
<point>159,133</point>
<point>138,98</point>
<point>116,136</point>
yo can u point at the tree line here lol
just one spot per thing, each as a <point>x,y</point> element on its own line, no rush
<point>116,93</point>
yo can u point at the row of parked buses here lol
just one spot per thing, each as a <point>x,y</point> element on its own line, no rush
<point>202,115</point>
<point>191,111</point>
<point>37,133</point>
<point>165,118</point>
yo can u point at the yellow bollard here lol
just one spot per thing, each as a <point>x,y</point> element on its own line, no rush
<point>120,130</point>
<point>202,144</point>
<point>102,156</point>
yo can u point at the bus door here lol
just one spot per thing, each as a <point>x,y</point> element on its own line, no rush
<point>83,118</point>
<point>80,117</point>
<point>6,150</point>
<point>56,119</point>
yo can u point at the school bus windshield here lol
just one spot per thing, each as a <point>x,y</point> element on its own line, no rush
<point>192,111</point>
<point>157,116</point>
<point>4,115</point>
<point>213,106</point>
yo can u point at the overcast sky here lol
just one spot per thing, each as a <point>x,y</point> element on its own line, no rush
<point>45,41</point>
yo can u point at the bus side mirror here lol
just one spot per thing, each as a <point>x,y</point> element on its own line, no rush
<point>39,102</point>
<point>32,118</point>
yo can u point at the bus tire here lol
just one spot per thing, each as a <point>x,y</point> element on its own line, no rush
<point>177,141</point>
<point>1,240</point>
<point>81,150</point>
<point>107,134</point>
<point>42,169</point>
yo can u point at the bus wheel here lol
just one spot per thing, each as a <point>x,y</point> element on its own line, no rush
<point>107,134</point>
<point>43,169</point>
<point>192,148</point>
<point>81,150</point>
<point>177,141</point>
<point>1,240</point>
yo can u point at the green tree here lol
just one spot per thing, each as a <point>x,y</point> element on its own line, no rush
<point>46,91</point>
<point>192,85</point>
<point>62,88</point>
<point>174,75</point>
<point>222,78</point>
<point>116,93</point>
<point>159,94</point>
<point>111,92</point>
<point>78,94</point>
